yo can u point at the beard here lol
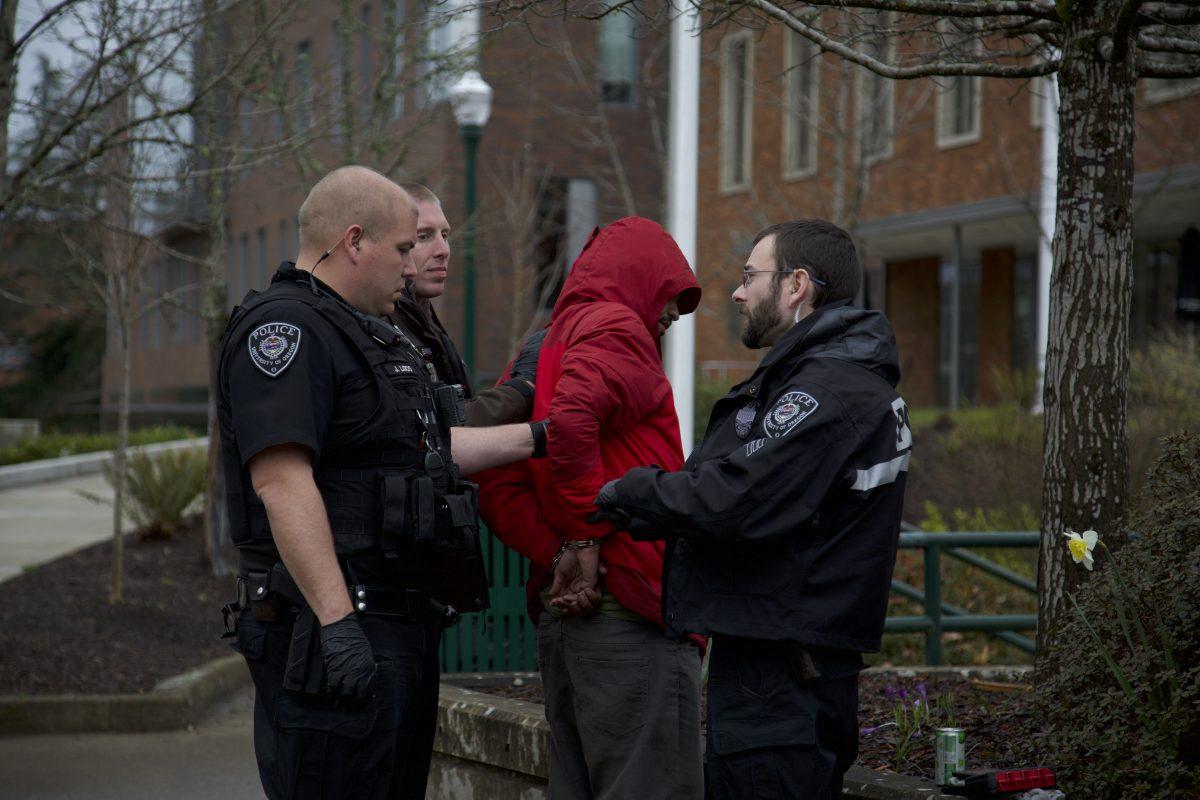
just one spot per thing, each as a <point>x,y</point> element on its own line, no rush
<point>763,321</point>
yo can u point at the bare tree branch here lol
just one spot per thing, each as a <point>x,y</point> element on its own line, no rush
<point>966,8</point>
<point>1168,13</point>
<point>1151,68</point>
<point>1168,44</point>
<point>932,68</point>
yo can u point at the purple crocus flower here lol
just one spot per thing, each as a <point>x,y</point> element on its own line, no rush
<point>903,694</point>
<point>921,690</point>
<point>891,693</point>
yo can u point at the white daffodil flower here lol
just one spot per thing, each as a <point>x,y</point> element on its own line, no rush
<point>1081,546</point>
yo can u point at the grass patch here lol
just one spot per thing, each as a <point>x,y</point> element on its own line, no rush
<point>54,444</point>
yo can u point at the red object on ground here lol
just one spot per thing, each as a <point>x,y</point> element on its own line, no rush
<point>984,784</point>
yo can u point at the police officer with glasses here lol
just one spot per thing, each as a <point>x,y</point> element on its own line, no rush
<point>782,526</point>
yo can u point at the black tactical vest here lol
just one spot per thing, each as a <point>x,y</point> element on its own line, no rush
<point>398,494</point>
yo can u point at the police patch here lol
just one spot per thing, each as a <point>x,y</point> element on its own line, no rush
<point>790,411</point>
<point>273,346</point>
<point>744,419</point>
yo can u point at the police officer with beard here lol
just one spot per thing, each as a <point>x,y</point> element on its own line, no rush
<point>782,526</point>
<point>346,503</point>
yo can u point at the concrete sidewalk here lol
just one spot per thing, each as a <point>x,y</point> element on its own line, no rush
<point>214,760</point>
<point>42,522</point>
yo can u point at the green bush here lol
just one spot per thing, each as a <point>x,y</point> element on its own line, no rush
<point>1104,744</point>
<point>162,488</point>
<point>53,444</point>
<point>708,392</point>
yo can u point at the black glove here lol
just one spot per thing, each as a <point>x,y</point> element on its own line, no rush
<point>606,500</point>
<point>540,431</point>
<point>526,363</point>
<point>349,662</point>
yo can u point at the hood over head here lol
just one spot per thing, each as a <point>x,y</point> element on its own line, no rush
<point>636,263</point>
<point>844,331</point>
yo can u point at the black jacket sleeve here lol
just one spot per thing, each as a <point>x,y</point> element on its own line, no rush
<point>762,488</point>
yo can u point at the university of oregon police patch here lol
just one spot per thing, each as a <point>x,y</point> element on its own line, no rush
<point>273,346</point>
<point>789,412</point>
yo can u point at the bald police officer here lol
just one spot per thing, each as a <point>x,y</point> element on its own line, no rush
<point>782,526</point>
<point>346,501</point>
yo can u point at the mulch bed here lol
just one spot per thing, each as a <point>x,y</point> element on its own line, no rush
<point>59,633</point>
<point>993,717</point>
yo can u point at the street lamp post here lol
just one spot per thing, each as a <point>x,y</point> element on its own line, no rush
<point>471,99</point>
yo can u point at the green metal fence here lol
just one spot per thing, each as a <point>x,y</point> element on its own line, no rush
<point>502,638</point>
<point>940,616</point>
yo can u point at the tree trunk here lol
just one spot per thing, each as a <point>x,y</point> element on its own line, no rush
<point>8,79</point>
<point>120,471</point>
<point>216,156</point>
<point>1086,475</point>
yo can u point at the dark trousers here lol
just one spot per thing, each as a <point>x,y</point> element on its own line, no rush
<point>307,747</point>
<point>773,733</point>
<point>623,703</point>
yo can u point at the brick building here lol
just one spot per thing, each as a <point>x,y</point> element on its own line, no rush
<point>937,180</point>
<point>574,140</point>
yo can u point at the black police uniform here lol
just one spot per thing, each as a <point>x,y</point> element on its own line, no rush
<point>300,366</point>
<point>508,402</point>
<point>782,530</point>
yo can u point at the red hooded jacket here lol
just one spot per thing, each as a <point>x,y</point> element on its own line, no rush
<point>600,382</point>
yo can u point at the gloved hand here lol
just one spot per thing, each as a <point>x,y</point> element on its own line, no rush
<point>526,364</point>
<point>349,661</point>
<point>606,502</point>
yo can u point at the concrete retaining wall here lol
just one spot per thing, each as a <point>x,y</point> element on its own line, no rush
<point>511,738</point>
<point>54,469</point>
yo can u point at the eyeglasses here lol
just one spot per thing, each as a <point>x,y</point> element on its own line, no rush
<point>746,273</point>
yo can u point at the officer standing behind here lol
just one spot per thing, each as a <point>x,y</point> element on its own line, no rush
<point>782,526</point>
<point>344,496</point>
<point>512,400</point>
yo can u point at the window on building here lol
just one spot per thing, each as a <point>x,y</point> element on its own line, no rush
<point>618,58</point>
<point>337,81</point>
<point>195,305</point>
<point>365,69</point>
<point>398,16</point>
<point>303,89</point>
<point>279,99</point>
<point>959,97</point>
<point>876,94</point>
<point>245,243</point>
<point>285,252</point>
<point>736,110</point>
<point>246,119</point>
<point>436,34</point>
<point>1039,92</point>
<point>801,90</point>
<point>260,261</point>
<point>549,243</point>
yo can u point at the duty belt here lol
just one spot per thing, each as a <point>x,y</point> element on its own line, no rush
<point>269,593</point>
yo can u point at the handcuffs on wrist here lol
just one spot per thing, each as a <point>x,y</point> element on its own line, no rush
<point>572,544</point>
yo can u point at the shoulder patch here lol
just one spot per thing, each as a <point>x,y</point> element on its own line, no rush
<point>273,346</point>
<point>789,411</point>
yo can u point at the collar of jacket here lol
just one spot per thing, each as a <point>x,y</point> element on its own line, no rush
<point>288,272</point>
<point>839,330</point>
